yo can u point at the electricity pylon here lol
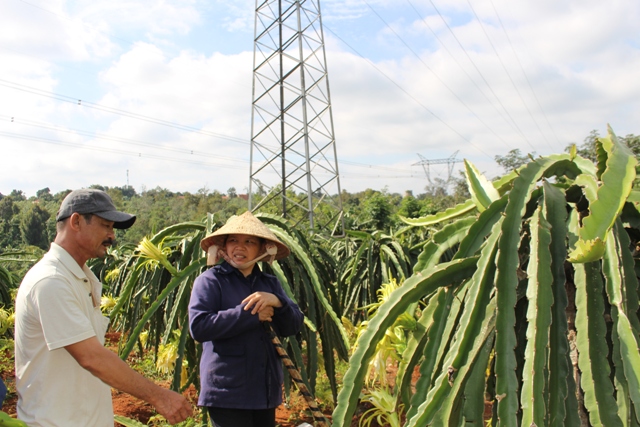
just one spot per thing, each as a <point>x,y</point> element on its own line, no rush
<point>450,162</point>
<point>294,165</point>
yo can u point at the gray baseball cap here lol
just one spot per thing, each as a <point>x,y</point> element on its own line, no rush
<point>92,201</point>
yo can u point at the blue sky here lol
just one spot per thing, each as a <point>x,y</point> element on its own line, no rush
<point>430,77</point>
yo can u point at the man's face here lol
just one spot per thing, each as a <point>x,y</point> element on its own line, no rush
<point>242,248</point>
<point>96,235</point>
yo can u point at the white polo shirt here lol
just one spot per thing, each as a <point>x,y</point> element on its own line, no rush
<point>58,304</point>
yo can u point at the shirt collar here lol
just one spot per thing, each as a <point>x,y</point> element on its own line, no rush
<point>68,261</point>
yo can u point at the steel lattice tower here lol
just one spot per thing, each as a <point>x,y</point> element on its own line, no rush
<point>450,162</point>
<point>294,166</point>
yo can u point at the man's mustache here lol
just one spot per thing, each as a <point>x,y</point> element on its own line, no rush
<point>110,242</point>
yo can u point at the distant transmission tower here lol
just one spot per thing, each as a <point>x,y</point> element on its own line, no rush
<point>294,166</point>
<point>450,162</point>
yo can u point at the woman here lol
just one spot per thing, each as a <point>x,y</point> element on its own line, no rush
<point>240,373</point>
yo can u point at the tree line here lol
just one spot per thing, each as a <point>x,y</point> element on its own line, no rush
<point>30,221</point>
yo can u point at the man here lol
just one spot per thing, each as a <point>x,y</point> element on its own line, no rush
<point>63,370</point>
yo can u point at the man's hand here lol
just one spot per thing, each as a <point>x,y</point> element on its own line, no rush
<point>258,301</point>
<point>107,366</point>
<point>173,406</point>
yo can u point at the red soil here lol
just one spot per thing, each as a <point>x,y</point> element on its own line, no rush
<point>291,415</point>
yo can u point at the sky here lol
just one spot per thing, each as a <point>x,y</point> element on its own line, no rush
<point>158,93</point>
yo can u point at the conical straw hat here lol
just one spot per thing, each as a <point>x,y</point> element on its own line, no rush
<point>244,224</point>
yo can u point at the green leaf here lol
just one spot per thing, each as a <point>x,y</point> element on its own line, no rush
<point>413,288</point>
<point>508,263</point>
<point>442,241</point>
<point>540,297</point>
<point>617,179</point>
<point>634,196</point>
<point>587,251</point>
<point>443,311</point>
<point>559,365</point>
<point>449,413</point>
<point>194,268</point>
<point>483,193</point>
<point>628,339</point>
<point>174,229</point>
<point>415,345</point>
<point>474,389</point>
<point>128,422</point>
<point>449,214</point>
<point>589,185</point>
<point>311,271</point>
<point>505,182</point>
<point>481,228</point>
<point>573,151</point>
<point>470,334</point>
<point>592,347</point>
<point>591,344</point>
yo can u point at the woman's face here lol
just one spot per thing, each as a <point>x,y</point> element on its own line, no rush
<point>242,248</point>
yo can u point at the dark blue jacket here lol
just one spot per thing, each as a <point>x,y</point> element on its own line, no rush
<point>239,367</point>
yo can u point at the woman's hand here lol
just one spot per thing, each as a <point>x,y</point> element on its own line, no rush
<point>266,314</point>
<point>258,301</point>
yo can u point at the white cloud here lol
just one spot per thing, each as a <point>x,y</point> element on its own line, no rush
<point>579,57</point>
<point>237,15</point>
<point>157,17</point>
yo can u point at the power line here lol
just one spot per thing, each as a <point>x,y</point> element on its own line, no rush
<point>407,93</point>
<point>116,138</point>
<point>511,120</point>
<point>114,150</point>
<point>364,165</point>
<point>42,125</point>
<point>510,79</point>
<point>436,75</point>
<point>463,69</point>
<point>360,176</point>
<point>177,125</point>
<point>526,77</point>
<point>128,114</point>
<point>124,113</point>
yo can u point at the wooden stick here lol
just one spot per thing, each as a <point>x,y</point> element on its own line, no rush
<point>318,417</point>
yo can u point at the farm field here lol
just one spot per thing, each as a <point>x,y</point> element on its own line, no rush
<point>124,404</point>
<point>535,273</point>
